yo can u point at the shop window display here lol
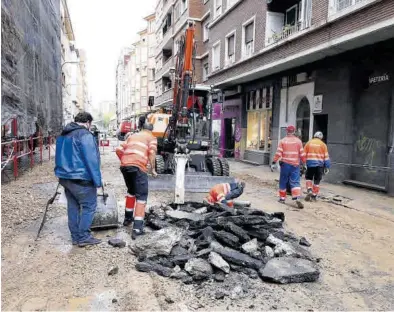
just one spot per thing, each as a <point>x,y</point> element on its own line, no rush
<point>259,119</point>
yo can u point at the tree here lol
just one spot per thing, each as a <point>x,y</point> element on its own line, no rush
<point>107,118</point>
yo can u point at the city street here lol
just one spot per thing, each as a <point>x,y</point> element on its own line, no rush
<point>350,229</point>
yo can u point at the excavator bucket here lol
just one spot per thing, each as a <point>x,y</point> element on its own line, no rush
<point>199,182</point>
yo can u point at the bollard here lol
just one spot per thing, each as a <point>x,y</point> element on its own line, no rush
<point>49,147</point>
<point>31,153</point>
<point>15,159</point>
<point>41,143</point>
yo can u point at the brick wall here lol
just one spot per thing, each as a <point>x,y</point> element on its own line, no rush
<point>196,8</point>
<point>319,11</point>
<point>368,16</point>
<point>234,19</point>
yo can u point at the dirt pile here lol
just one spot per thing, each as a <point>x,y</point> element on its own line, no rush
<point>195,242</point>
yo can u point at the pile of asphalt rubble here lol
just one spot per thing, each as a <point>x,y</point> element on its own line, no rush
<point>195,242</point>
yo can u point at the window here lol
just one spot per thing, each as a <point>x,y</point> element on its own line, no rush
<point>259,120</point>
<point>176,12</point>
<point>291,16</point>
<point>216,57</point>
<point>183,6</point>
<point>230,3</point>
<point>205,72</point>
<point>205,31</point>
<point>230,49</point>
<point>151,74</point>
<point>217,8</point>
<point>303,119</point>
<point>248,38</point>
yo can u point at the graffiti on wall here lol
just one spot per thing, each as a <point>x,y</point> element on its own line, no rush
<point>368,147</point>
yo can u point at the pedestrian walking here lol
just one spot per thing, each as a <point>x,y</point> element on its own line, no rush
<point>317,163</point>
<point>225,193</point>
<point>290,153</point>
<point>78,170</point>
<point>135,154</point>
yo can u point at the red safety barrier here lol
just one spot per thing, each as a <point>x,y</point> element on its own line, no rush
<point>16,150</point>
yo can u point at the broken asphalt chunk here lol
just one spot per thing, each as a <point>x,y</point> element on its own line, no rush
<point>289,270</point>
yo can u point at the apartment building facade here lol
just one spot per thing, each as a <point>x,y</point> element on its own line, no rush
<point>172,20</point>
<point>320,65</point>
<point>135,74</point>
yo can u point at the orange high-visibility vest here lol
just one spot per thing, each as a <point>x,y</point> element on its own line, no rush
<point>218,193</point>
<point>290,151</point>
<point>136,150</point>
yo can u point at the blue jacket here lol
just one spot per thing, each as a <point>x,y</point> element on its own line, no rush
<point>77,155</point>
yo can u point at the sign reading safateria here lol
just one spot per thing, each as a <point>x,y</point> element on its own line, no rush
<point>377,79</point>
<point>318,104</point>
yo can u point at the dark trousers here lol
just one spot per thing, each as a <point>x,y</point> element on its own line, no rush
<point>314,174</point>
<point>235,192</point>
<point>136,182</point>
<point>81,206</point>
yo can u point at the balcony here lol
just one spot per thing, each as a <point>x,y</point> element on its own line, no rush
<point>166,7</point>
<point>339,8</point>
<point>164,71</point>
<point>287,19</point>
<point>165,98</point>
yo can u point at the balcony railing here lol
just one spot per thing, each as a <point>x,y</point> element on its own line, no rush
<point>165,97</point>
<point>343,6</point>
<point>287,31</point>
<point>165,69</point>
<point>167,36</point>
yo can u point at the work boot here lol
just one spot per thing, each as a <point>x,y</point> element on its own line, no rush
<point>309,195</point>
<point>135,233</point>
<point>299,204</point>
<point>314,197</point>
<point>127,222</point>
<point>281,201</point>
<point>90,241</point>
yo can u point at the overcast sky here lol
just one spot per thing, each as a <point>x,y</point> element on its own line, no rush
<point>102,28</point>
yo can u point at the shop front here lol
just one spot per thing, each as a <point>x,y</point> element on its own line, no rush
<point>258,100</point>
<point>226,126</point>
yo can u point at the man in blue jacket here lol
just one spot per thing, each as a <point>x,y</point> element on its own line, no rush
<point>78,170</point>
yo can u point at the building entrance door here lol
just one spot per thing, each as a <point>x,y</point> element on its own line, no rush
<point>320,123</point>
<point>229,134</point>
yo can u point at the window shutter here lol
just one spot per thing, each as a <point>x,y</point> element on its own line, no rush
<point>231,45</point>
<point>249,33</point>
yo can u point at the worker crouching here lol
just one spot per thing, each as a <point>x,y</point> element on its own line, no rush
<point>135,154</point>
<point>225,193</point>
<point>290,153</point>
<point>317,162</point>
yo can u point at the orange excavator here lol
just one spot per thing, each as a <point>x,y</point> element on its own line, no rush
<point>184,160</point>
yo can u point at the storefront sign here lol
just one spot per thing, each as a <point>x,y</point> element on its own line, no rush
<point>318,104</point>
<point>377,79</point>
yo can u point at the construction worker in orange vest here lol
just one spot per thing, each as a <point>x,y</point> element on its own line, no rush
<point>290,153</point>
<point>139,149</point>
<point>224,193</point>
<point>317,163</point>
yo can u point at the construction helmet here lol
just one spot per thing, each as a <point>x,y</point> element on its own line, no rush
<point>318,135</point>
<point>290,129</point>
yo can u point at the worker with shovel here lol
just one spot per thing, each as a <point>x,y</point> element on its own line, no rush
<point>290,152</point>
<point>78,170</point>
<point>225,193</point>
<point>139,149</point>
